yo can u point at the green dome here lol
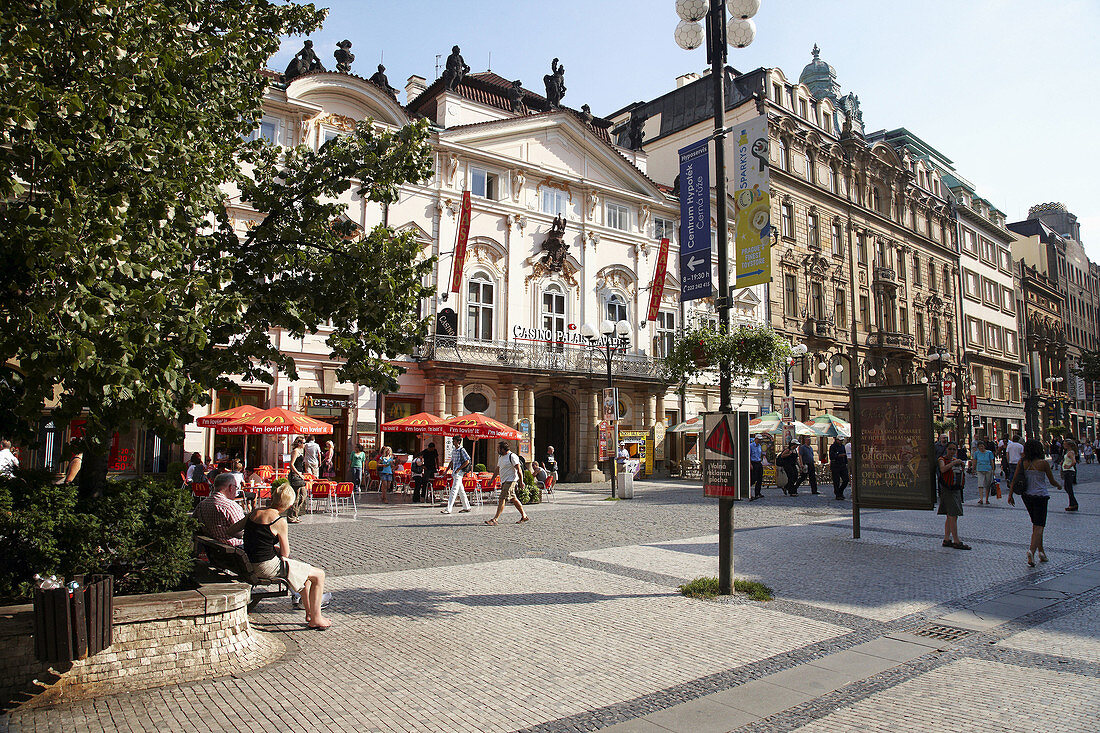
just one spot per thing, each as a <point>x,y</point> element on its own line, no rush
<point>820,77</point>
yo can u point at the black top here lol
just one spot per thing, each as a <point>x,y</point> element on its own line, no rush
<point>300,463</point>
<point>788,463</point>
<point>837,454</point>
<point>259,541</point>
<point>431,459</point>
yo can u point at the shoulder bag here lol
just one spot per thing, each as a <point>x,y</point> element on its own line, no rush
<point>1019,481</point>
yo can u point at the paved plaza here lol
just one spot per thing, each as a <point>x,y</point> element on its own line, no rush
<point>573,622</point>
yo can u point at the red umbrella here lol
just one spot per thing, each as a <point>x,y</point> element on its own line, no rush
<point>276,421</point>
<point>421,422</point>
<point>233,413</point>
<point>476,425</point>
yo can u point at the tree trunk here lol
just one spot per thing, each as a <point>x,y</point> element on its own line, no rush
<point>92,479</point>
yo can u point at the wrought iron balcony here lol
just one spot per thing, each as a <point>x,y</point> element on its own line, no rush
<point>892,341</point>
<point>538,356</point>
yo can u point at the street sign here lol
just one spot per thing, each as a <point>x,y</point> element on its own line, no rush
<point>726,454</point>
<point>695,277</point>
<point>752,203</point>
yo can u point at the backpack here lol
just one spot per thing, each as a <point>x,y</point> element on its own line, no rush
<point>522,464</point>
<point>1019,481</point>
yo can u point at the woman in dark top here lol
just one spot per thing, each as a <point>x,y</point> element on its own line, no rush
<point>296,476</point>
<point>788,461</point>
<point>268,548</point>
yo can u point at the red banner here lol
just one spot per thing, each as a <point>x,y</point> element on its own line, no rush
<point>658,289</point>
<point>460,244</point>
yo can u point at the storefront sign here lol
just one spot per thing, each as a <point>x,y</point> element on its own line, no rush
<point>657,290</point>
<point>892,452</point>
<point>446,326</point>
<point>660,433</point>
<point>639,444</point>
<point>725,454</point>
<point>695,277</point>
<point>335,402</point>
<point>399,407</point>
<point>122,457</point>
<point>369,441</point>
<point>752,202</point>
<point>460,243</point>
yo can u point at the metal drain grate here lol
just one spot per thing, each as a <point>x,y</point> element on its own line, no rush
<point>942,633</point>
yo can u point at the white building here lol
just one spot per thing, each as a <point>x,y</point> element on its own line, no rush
<point>517,354</point>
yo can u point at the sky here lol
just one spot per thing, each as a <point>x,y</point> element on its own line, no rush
<point>1004,92</point>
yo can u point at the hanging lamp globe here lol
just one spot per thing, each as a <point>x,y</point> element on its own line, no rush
<point>689,35</point>
<point>743,8</point>
<point>740,32</point>
<point>692,10</point>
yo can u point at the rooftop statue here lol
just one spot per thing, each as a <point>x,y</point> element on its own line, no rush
<point>379,78</point>
<point>555,84</point>
<point>636,132</point>
<point>304,62</point>
<point>456,69</point>
<point>515,96</point>
<point>344,56</point>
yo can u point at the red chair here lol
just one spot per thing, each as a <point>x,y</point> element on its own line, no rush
<point>344,493</point>
<point>440,484</point>
<point>319,490</point>
<point>200,491</point>
<point>265,472</point>
<point>472,485</point>
<point>373,479</point>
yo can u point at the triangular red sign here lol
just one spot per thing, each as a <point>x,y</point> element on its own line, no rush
<point>720,441</point>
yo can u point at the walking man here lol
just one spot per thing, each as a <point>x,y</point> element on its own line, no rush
<point>838,463</point>
<point>756,461</point>
<point>806,465</point>
<point>1013,451</point>
<point>460,464</point>
<point>313,457</point>
<point>508,468</point>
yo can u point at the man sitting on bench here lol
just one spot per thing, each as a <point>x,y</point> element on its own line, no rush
<point>220,516</point>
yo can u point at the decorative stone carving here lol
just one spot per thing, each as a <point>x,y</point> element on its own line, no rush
<point>554,247</point>
<point>518,179</point>
<point>593,238</point>
<point>379,78</point>
<point>450,206</point>
<point>518,220</point>
<point>515,97</point>
<point>452,169</point>
<point>344,56</point>
<point>643,218</point>
<point>567,273</point>
<point>635,133</point>
<point>340,122</point>
<point>555,84</point>
<point>593,203</point>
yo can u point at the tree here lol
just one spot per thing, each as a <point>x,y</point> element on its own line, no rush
<point>1088,366</point>
<point>127,294</point>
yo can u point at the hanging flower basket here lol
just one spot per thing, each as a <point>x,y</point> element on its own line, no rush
<point>749,350</point>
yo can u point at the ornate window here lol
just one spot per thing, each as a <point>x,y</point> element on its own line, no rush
<point>920,327</point>
<point>553,308</point>
<point>616,308</point>
<point>812,233</point>
<point>838,240</point>
<point>479,307</point>
<point>840,306</point>
<point>554,201</point>
<point>664,228</point>
<point>784,159</point>
<point>811,167</point>
<point>790,295</point>
<point>861,248</point>
<point>817,301</point>
<point>787,217</point>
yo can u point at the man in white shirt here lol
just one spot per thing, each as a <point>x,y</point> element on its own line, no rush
<point>312,454</point>
<point>509,469</point>
<point>8,461</point>
<point>1013,451</point>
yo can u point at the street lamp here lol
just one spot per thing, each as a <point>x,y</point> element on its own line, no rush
<point>612,337</point>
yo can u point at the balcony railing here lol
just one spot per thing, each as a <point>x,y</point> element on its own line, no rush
<point>892,340</point>
<point>820,328</point>
<point>884,276</point>
<point>539,356</point>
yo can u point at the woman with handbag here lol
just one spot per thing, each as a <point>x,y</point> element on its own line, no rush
<point>1032,481</point>
<point>950,480</point>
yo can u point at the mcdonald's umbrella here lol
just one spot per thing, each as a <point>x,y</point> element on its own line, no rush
<point>830,426</point>
<point>476,425</point>
<point>693,425</point>
<point>276,421</point>
<point>224,416</point>
<point>421,422</point>
<point>772,424</point>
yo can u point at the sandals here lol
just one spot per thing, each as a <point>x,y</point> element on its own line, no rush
<point>1043,556</point>
<point>524,519</point>
<point>1030,559</point>
<point>491,522</point>
<point>961,546</point>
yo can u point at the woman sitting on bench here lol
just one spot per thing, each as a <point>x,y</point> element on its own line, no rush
<point>268,548</point>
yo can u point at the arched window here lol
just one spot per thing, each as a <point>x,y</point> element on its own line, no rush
<point>834,181</point>
<point>479,308</point>
<point>616,309</point>
<point>553,311</point>
<point>876,199</point>
<point>843,376</point>
<point>811,166</point>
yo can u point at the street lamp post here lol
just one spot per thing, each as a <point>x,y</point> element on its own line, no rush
<point>739,32</point>
<point>611,338</point>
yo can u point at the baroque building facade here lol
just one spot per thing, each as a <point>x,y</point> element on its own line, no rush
<point>864,262</point>
<point>506,338</point>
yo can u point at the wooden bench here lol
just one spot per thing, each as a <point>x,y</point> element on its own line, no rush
<point>234,561</point>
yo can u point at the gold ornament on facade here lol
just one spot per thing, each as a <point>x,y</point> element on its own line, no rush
<point>342,123</point>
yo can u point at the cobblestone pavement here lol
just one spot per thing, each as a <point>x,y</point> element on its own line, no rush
<point>572,622</point>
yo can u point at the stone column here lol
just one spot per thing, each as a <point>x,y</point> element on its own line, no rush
<point>650,411</point>
<point>529,406</point>
<point>458,397</point>
<point>513,405</point>
<point>443,395</point>
<point>587,443</point>
<point>661,407</point>
<point>437,395</point>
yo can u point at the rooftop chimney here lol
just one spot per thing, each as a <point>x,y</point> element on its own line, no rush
<point>685,79</point>
<point>413,87</point>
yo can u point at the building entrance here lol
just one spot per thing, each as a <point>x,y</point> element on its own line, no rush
<point>552,425</point>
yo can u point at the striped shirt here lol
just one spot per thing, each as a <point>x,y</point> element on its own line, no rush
<point>217,514</point>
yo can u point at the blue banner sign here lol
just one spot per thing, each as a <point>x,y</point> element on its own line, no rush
<point>695,278</point>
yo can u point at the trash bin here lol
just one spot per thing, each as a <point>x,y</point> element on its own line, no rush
<point>624,487</point>
<point>72,624</point>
